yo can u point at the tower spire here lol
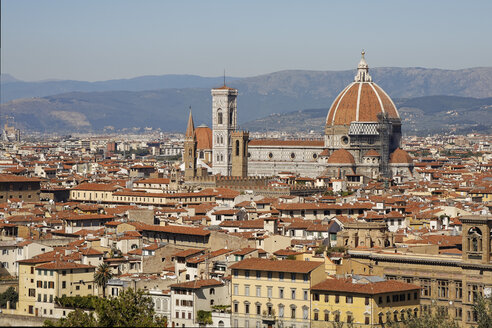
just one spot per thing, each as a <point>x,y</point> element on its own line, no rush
<point>190,129</point>
<point>363,70</point>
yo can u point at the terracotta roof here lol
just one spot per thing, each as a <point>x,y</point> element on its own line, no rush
<point>197,284</point>
<point>203,138</point>
<point>347,286</point>
<point>17,178</point>
<point>372,152</point>
<point>341,156</point>
<point>64,266</point>
<point>360,102</point>
<point>95,187</point>
<point>282,266</point>
<point>178,230</point>
<point>399,156</point>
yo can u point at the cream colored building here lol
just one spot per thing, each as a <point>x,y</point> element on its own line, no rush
<point>272,293</point>
<point>41,281</point>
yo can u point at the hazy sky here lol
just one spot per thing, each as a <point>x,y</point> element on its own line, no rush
<point>103,39</point>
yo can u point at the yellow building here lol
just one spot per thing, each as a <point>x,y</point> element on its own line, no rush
<point>363,303</point>
<point>268,293</point>
<point>40,281</point>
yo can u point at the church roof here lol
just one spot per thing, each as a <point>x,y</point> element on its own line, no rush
<point>372,152</point>
<point>203,138</point>
<point>190,129</point>
<point>361,101</point>
<point>275,142</point>
<point>341,156</point>
<point>400,156</point>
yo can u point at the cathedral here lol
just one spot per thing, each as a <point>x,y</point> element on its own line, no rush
<point>362,138</point>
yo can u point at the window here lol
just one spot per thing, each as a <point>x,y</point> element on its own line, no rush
<point>349,317</point>
<point>316,316</point>
<point>367,300</point>
<point>327,316</point>
<point>337,299</point>
<point>305,277</point>
<point>425,285</point>
<point>315,297</point>
<point>236,306</point>
<point>442,288</point>
<point>281,276</point>
<point>293,293</point>
<point>246,274</point>
<point>32,292</point>
<point>269,275</point>
<point>305,295</point>
<point>280,292</point>
<point>281,311</point>
<point>366,320</point>
<point>236,289</point>
<point>459,290</point>
<point>293,313</point>
<point>337,317</point>
<point>219,117</point>
<point>305,312</point>
<point>246,290</point>
<point>293,276</point>
<point>258,309</point>
<point>236,273</point>
<point>258,274</point>
<point>258,291</point>
<point>77,287</point>
<point>269,291</point>
<point>349,300</point>
<point>327,298</point>
<point>246,308</point>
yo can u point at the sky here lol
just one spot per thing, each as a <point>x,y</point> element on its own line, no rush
<point>95,40</point>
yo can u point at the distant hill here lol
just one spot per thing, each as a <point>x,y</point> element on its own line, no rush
<point>93,107</point>
<point>421,115</point>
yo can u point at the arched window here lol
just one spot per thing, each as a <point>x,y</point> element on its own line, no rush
<point>231,116</point>
<point>237,147</point>
<point>212,291</point>
<point>221,323</point>
<point>221,139</point>
<point>475,239</point>
<point>219,116</point>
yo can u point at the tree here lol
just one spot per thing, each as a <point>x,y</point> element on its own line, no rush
<point>10,295</point>
<point>77,318</point>
<point>102,276</point>
<point>204,317</point>
<point>428,319</point>
<point>129,309</point>
<point>483,309</point>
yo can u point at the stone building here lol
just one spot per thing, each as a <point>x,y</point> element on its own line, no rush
<point>450,283</point>
<point>362,137</point>
<point>19,187</point>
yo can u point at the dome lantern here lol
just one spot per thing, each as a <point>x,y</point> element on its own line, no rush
<point>363,70</point>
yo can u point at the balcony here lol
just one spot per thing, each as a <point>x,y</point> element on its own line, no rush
<point>268,316</point>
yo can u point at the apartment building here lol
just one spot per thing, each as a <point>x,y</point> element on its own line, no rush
<point>41,281</point>
<point>273,293</point>
<point>363,302</point>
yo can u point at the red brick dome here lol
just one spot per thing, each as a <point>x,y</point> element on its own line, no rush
<point>399,156</point>
<point>361,101</point>
<point>341,156</point>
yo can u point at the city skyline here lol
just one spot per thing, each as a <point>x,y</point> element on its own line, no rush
<point>112,40</point>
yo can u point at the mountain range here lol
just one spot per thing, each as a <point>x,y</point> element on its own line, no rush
<point>163,101</point>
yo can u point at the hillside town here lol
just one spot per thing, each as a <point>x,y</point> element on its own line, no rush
<point>361,226</point>
<point>284,251</point>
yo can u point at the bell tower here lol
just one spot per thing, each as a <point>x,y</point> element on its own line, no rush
<point>189,153</point>
<point>224,118</point>
<point>239,154</point>
<point>477,241</point>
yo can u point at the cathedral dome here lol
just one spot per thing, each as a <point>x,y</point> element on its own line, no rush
<point>361,101</point>
<point>399,156</point>
<point>341,156</point>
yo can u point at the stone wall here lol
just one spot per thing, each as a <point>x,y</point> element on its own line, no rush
<point>11,320</point>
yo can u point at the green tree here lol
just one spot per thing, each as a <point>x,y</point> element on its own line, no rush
<point>483,309</point>
<point>427,319</point>
<point>102,276</point>
<point>129,309</point>
<point>77,318</point>
<point>10,295</point>
<point>204,317</point>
